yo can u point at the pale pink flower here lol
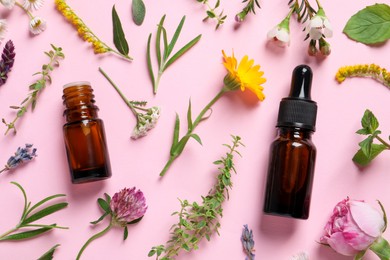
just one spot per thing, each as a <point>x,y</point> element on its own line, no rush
<point>353,227</point>
<point>127,205</point>
<point>32,5</point>
<point>319,26</point>
<point>37,25</point>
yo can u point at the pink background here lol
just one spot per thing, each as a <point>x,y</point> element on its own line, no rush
<point>197,75</point>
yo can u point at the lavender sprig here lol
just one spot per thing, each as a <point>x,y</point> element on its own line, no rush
<point>248,243</point>
<point>22,155</point>
<point>7,61</point>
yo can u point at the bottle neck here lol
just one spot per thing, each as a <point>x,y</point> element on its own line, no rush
<point>295,132</point>
<point>79,102</point>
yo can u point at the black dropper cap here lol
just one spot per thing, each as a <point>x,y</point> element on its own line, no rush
<point>298,110</point>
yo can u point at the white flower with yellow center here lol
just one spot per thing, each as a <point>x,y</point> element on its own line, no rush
<point>37,25</point>
<point>8,3</point>
<point>32,5</point>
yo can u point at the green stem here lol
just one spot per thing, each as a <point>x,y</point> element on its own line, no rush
<point>9,232</point>
<point>381,248</point>
<point>120,93</point>
<point>207,108</point>
<point>21,6</point>
<point>168,164</point>
<point>101,233</point>
<point>382,141</point>
<point>157,81</point>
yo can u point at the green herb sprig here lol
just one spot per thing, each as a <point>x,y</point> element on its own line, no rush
<point>368,149</point>
<point>200,220</point>
<point>370,25</point>
<point>32,213</point>
<point>55,56</point>
<point>302,9</point>
<point>164,60</point>
<point>212,12</point>
<point>250,7</point>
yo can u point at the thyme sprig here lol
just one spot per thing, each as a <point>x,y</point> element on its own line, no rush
<point>250,7</point>
<point>55,55</point>
<point>199,221</point>
<point>32,213</point>
<point>212,12</point>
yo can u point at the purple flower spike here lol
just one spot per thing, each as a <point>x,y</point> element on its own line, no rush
<point>248,243</point>
<point>21,156</point>
<point>128,205</point>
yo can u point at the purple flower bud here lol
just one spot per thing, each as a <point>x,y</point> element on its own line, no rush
<point>21,156</point>
<point>248,243</point>
<point>127,205</point>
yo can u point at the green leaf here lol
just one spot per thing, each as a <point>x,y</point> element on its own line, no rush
<point>363,160</point>
<point>366,145</point>
<point>43,201</point>
<point>104,205</point>
<point>197,138</point>
<point>135,221</point>
<point>100,219</point>
<point>25,207</point>
<point>138,10</point>
<point>44,212</point>
<point>185,247</point>
<point>125,233</point>
<point>175,133</point>
<point>49,254</point>
<point>370,25</point>
<point>151,253</point>
<point>171,45</point>
<point>28,234</point>
<point>369,121</point>
<point>183,50</point>
<point>189,116</point>
<point>119,36</point>
<point>201,224</point>
<point>158,40</point>
<point>363,131</point>
<point>149,59</point>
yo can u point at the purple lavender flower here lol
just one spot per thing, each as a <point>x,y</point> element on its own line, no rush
<point>7,61</point>
<point>127,205</point>
<point>248,243</point>
<point>22,155</point>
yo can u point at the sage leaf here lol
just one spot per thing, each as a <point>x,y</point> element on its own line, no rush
<point>370,25</point>
<point>138,10</point>
<point>49,254</point>
<point>361,159</point>
<point>119,36</point>
<point>28,234</point>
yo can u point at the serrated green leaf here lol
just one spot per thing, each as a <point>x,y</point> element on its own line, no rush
<point>197,138</point>
<point>366,145</point>
<point>363,160</point>
<point>363,131</point>
<point>369,121</point>
<point>183,50</point>
<point>45,212</point>
<point>370,25</point>
<point>27,234</point>
<point>138,10</point>
<point>120,41</point>
<point>104,205</point>
<point>49,254</point>
<point>175,36</point>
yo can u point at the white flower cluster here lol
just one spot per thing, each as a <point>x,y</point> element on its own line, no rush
<point>146,121</point>
<point>37,24</point>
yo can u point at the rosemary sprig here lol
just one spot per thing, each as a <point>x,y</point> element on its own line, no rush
<point>55,55</point>
<point>199,221</point>
<point>164,60</point>
<point>31,214</point>
<point>212,12</point>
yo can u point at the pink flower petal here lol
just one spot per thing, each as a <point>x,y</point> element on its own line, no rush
<point>338,243</point>
<point>369,219</point>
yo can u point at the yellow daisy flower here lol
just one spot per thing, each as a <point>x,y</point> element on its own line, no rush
<point>244,76</point>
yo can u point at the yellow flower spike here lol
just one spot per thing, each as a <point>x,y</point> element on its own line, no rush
<point>373,71</point>
<point>244,76</point>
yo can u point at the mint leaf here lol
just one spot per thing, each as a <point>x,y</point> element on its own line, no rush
<point>369,121</point>
<point>370,25</point>
<point>361,159</point>
<point>138,10</point>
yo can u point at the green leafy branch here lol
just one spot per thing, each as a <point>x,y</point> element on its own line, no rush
<point>31,214</point>
<point>302,9</point>
<point>164,60</point>
<point>199,221</point>
<point>212,13</point>
<point>55,55</point>
<point>368,149</point>
<point>249,8</point>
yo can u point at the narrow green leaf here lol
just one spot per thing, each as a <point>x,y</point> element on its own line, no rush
<point>100,219</point>
<point>165,41</point>
<point>49,254</point>
<point>370,25</point>
<point>183,50</point>
<point>125,233</point>
<point>186,247</point>
<point>119,36</point>
<point>149,59</point>
<point>28,234</point>
<point>160,26</point>
<point>384,215</point>
<point>175,133</point>
<point>43,201</point>
<point>104,205</point>
<point>363,131</point>
<point>135,221</point>
<point>189,116</point>
<point>197,138</point>
<point>25,207</point>
<point>44,212</point>
<point>201,224</point>
<point>138,10</point>
<point>175,36</point>
<point>361,159</point>
<point>108,198</point>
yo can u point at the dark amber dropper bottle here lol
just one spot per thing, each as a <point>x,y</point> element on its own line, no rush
<point>84,135</point>
<point>293,154</point>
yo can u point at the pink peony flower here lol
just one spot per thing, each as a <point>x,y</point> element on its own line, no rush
<point>128,205</point>
<point>353,227</point>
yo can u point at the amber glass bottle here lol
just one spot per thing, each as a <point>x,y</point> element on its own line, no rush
<point>84,135</point>
<point>292,154</point>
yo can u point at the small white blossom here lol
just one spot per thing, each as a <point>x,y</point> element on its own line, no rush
<point>280,34</point>
<point>8,3</point>
<point>319,26</point>
<point>32,5</point>
<point>3,29</point>
<point>37,25</point>
<point>300,256</point>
